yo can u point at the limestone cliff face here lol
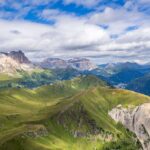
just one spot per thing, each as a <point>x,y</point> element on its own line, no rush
<point>136,120</point>
<point>12,62</point>
<point>53,63</point>
<point>80,64</point>
<point>19,56</point>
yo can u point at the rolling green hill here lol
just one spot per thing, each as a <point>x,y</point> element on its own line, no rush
<point>68,115</point>
<point>27,79</point>
<point>36,78</point>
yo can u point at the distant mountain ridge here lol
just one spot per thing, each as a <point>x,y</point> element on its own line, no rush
<point>118,73</point>
<point>53,63</point>
<point>132,76</point>
<point>57,109</point>
<point>140,84</point>
<point>117,67</point>
<point>81,64</point>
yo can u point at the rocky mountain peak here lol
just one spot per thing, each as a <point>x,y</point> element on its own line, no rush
<point>53,63</point>
<point>13,61</point>
<point>81,64</point>
<point>19,56</point>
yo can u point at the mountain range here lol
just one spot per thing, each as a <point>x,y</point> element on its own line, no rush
<point>81,64</point>
<point>16,60</point>
<point>127,75</point>
<point>123,75</point>
<point>140,84</point>
<point>73,104</point>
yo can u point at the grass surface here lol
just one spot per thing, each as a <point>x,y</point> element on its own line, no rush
<point>79,105</point>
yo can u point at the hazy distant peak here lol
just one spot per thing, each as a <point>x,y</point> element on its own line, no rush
<point>81,64</point>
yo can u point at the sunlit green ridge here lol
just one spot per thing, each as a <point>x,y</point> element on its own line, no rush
<point>64,109</point>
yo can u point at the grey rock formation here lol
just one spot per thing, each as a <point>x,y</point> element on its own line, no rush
<point>80,64</point>
<point>12,62</point>
<point>35,131</point>
<point>54,63</point>
<point>136,120</point>
<point>19,57</point>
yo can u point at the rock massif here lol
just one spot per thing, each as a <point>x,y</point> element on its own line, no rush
<point>53,63</point>
<point>81,64</point>
<point>19,56</point>
<point>14,61</point>
<point>136,120</point>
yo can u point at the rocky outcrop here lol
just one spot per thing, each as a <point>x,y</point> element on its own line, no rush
<point>54,63</point>
<point>77,121</point>
<point>12,62</point>
<point>136,120</point>
<point>80,64</point>
<point>35,131</point>
<point>19,57</point>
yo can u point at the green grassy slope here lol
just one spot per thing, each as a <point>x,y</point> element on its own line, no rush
<point>32,79</point>
<point>74,113</point>
<point>36,77</point>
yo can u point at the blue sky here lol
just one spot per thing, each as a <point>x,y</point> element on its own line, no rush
<point>103,30</point>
